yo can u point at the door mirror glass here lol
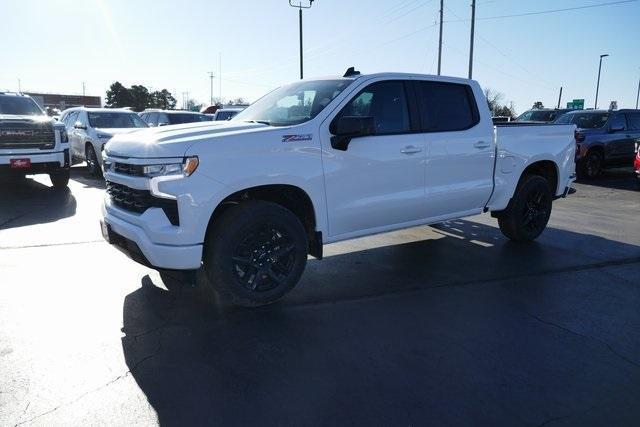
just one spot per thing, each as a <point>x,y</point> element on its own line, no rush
<point>79,125</point>
<point>348,127</point>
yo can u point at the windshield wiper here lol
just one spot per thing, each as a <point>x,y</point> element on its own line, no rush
<point>263,122</point>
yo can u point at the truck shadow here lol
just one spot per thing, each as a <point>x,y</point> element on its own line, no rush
<point>435,330</point>
<point>81,174</point>
<point>27,202</point>
<point>619,179</point>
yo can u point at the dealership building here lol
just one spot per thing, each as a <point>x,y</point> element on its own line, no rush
<point>51,101</point>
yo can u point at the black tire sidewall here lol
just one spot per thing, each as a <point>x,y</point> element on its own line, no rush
<point>592,155</point>
<point>227,232</point>
<point>512,224</point>
<point>60,178</point>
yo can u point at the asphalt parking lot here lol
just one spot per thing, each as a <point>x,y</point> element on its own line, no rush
<point>450,325</point>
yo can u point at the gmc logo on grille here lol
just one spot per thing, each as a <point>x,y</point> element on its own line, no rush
<point>18,133</point>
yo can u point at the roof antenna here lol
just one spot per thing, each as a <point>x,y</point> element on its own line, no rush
<point>351,71</point>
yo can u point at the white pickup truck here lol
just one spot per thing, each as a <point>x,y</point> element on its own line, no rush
<point>320,161</point>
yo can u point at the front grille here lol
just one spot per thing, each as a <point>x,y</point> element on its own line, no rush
<point>127,169</point>
<point>138,201</point>
<point>15,134</point>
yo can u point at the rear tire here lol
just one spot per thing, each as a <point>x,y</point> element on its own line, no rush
<point>528,213</point>
<point>591,165</point>
<point>255,253</point>
<point>92,161</point>
<point>60,179</point>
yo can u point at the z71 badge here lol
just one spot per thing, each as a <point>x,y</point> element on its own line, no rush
<point>297,138</point>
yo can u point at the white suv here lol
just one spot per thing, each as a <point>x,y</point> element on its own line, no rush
<point>90,128</point>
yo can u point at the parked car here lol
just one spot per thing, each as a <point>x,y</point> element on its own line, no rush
<point>171,117</point>
<point>544,115</point>
<point>31,142</point>
<point>90,129</point>
<point>320,161</point>
<point>604,138</point>
<point>226,113</point>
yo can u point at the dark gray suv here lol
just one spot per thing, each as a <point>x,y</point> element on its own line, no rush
<point>604,138</point>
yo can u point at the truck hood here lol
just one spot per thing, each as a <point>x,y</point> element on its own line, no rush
<point>175,140</point>
<point>34,119</point>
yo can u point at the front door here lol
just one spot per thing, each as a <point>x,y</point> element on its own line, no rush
<point>378,181</point>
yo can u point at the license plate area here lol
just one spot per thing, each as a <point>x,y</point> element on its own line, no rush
<point>20,163</point>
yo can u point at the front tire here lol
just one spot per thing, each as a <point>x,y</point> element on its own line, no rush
<point>93,165</point>
<point>528,213</point>
<point>255,253</point>
<point>60,178</point>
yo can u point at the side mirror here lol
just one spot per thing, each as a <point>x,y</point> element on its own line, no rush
<point>79,125</point>
<point>348,127</point>
<point>163,124</point>
<point>616,128</point>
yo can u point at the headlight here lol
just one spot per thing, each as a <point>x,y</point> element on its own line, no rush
<point>105,136</point>
<point>64,136</point>
<point>186,168</point>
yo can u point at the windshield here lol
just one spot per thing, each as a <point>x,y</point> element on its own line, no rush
<point>585,120</point>
<point>114,120</point>
<point>19,106</point>
<point>179,118</point>
<point>293,104</point>
<point>537,116</point>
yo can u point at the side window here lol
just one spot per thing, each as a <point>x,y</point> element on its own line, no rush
<point>162,119</point>
<point>386,102</point>
<point>618,122</point>
<point>446,107</point>
<point>633,120</point>
<point>70,120</point>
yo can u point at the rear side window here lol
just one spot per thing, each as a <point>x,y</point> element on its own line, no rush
<point>386,102</point>
<point>633,121</point>
<point>618,122</point>
<point>446,107</point>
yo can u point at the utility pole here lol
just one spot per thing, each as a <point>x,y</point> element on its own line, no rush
<point>473,23</point>
<point>83,88</point>
<point>19,86</point>
<point>440,42</point>
<point>220,75</point>
<point>300,7</point>
<point>560,97</point>
<point>211,75</point>
<point>598,84</point>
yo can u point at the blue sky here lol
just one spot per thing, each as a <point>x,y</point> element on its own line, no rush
<point>54,46</point>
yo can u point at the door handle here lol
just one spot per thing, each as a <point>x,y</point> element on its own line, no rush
<point>481,144</point>
<point>411,149</point>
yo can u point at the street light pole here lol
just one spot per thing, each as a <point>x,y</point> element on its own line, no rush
<point>473,24</point>
<point>211,75</point>
<point>300,7</point>
<point>598,84</point>
<point>440,42</point>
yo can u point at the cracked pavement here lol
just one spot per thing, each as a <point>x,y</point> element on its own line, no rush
<point>446,325</point>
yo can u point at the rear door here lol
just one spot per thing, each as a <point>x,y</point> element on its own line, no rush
<point>621,143</point>
<point>633,123</point>
<point>378,181</point>
<point>461,151</point>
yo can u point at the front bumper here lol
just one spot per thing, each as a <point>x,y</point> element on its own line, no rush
<point>133,241</point>
<point>40,162</point>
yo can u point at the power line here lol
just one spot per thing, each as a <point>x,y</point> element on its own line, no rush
<point>542,12</point>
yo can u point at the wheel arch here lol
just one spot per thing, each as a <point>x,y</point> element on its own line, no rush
<point>289,196</point>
